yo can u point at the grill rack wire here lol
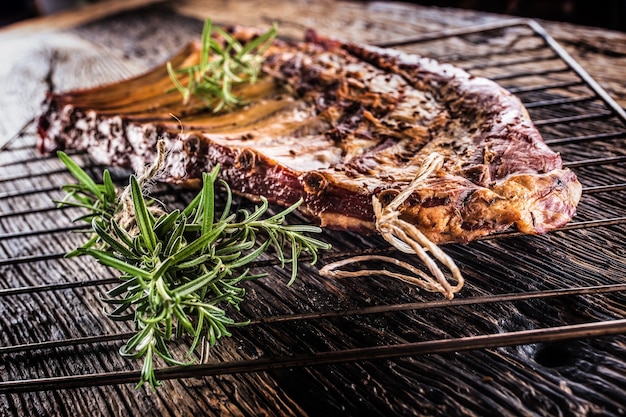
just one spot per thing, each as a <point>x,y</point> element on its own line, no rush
<point>567,86</point>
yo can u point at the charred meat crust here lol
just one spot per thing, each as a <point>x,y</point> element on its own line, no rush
<point>335,124</point>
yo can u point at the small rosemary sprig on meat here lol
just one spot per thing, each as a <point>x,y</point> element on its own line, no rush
<point>223,65</point>
<point>180,270</point>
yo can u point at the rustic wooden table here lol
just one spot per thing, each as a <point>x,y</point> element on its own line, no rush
<point>280,366</point>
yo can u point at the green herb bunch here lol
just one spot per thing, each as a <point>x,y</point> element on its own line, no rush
<point>223,65</point>
<point>180,270</point>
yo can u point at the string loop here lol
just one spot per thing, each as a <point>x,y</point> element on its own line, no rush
<point>407,238</point>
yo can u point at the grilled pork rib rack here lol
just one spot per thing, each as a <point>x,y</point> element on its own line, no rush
<point>336,124</point>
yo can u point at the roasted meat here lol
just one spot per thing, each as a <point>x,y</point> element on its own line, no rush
<point>336,124</point>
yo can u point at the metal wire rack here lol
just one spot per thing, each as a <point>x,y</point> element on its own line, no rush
<point>576,117</point>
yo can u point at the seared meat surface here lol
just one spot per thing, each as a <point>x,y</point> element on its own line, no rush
<point>337,124</point>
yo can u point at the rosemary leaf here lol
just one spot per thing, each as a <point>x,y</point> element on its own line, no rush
<point>208,200</point>
<point>198,283</point>
<point>107,259</point>
<point>164,223</point>
<point>78,173</point>
<point>114,243</point>
<point>144,218</point>
<point>109,188</point>
<point>198,245</point>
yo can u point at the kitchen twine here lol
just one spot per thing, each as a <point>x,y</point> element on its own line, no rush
<point>126,216</point>
<point>406,238</point>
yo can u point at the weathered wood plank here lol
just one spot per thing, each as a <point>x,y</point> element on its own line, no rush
<point>581,377</point>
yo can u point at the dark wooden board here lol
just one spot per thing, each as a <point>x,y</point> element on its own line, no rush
<point>583,376</point>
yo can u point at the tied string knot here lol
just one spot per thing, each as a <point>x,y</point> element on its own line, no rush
<point>125,217</point>
<point>407,238</point>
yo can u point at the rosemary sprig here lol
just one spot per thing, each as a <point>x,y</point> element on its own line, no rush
<point>223,65</point>
<point>181,270</point>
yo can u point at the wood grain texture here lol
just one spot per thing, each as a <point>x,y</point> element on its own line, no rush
<point>580,377</point>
